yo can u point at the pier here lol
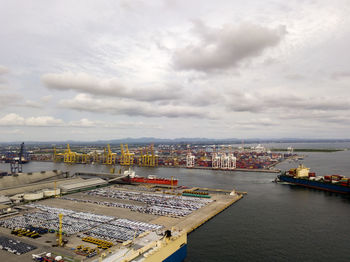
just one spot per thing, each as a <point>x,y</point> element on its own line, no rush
<point>97,198</point>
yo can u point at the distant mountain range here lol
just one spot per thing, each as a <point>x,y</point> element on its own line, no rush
<point>184,140</point>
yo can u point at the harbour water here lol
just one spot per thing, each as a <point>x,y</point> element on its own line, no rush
<point>273,222</point>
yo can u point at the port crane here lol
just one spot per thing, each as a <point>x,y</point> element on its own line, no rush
<point>57,156</point>
<point>16,163</point>
<point>109,157</point>
<point>60,242</point>
<point>69,156</point>
<point>150,159</point>
<point>126,158</point>
<point>190,159</point>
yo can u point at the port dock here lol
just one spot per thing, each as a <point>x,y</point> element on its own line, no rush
<point>199,218</point>
<point>122,214</point>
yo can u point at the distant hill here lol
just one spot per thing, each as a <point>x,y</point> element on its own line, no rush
<point>182,140</point>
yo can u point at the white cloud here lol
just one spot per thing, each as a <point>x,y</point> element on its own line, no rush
<point>84,122</point>
<point>13,119</point>
<point>43,121</point>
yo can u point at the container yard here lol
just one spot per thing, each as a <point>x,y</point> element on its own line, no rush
<point>92,219</point>
<point>216,157</point>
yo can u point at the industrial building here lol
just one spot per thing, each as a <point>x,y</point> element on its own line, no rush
<point>82,184</point>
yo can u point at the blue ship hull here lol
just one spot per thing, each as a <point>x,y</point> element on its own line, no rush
<point>178,256</point>
<point>315,184</point>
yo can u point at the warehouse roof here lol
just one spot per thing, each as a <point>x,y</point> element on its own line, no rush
<point>4,199</point>
<point>83,184</point>
<point>26,178</point>
<point>3,206</point>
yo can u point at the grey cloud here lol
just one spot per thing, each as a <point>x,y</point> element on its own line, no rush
<point>83,102</point>
<point>46,99</point>
<point>135,125</point>
<point>258,103</point>
<point>86,83</point>
<point>340,74</point>
<point>225,47</point>
<point>32,104</point>
<point>9,100</point>
<point>86,123</point>
<point>295,77</point>
<point>3,70</point>
<point>266,122</point>
<point>317,116</point>
<point>204,97</point>
<point>310,103</point>
<point>12,132</point>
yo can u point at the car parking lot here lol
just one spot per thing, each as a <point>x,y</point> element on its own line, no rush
<point>106,214</point>
<point>156,203</point>
<point>15,246</point>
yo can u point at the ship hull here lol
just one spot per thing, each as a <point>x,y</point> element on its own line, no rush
<point>315,184</point>
<point>178,256</point>
<point>159,181</point>
<point>171,251</point>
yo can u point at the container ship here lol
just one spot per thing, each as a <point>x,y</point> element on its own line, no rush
<point>131,177</point>
<point>303,177</point>
<point>171,248</point>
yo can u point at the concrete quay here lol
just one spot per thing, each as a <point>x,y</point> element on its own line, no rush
<point>220,200</point>
<point>200,217</point>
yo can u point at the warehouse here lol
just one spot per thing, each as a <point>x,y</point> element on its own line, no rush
<point>82,185</point>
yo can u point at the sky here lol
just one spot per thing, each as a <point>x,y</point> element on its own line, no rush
<point>98,70</point>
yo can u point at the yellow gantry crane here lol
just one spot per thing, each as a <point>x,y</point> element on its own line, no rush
<point>60,242</point>
<point>96,157</point>
<point>126,158</point>
<point>69,156</point>
<point>81,158</point>
<point>149,159</point>
<point>57,156</point>
<point>109,157</point>
<point>154,158</point>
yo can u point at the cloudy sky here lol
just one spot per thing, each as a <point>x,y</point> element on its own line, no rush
<point>89,70</point>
